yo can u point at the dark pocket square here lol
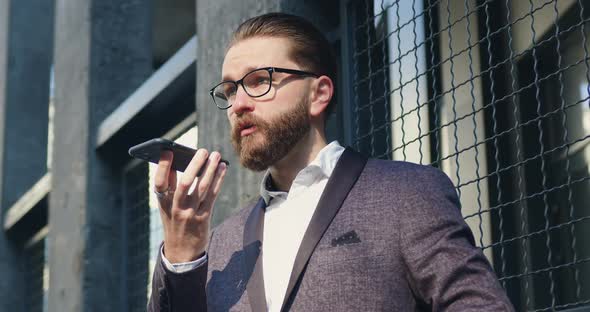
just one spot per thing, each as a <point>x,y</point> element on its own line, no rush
<point>346,238</point>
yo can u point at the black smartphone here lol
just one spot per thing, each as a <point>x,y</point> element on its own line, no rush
<point>150,151</point>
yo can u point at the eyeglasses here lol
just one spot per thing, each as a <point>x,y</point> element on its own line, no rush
<point>256,84</point>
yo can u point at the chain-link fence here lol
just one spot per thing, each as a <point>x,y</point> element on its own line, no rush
<point>144,228</point>
<point>495,93</point>
<point>37,280</point>
<point>137,224</point>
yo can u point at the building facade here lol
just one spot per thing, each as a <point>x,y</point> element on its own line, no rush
<point>494,93</point>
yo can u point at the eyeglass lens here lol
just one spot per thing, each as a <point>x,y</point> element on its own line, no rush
<point>256,83</point>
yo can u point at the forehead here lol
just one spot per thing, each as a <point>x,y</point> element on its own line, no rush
<point>252,53</point>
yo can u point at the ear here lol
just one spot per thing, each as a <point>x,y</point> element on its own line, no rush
<point>323,90</point>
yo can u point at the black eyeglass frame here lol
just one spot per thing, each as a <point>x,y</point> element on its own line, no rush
<point>270,70</point>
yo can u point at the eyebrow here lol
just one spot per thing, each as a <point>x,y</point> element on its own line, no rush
<point>248,69</point>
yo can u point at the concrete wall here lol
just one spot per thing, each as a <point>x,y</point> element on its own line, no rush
<point>102,53</point>
<point>25,61</point>
<point>27,96</point>
<point>173,25</point>
<point>11,287</point>
<point>216,21</point>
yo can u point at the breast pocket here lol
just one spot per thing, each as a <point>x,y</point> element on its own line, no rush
<point>330,253</point>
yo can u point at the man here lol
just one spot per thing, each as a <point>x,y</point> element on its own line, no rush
<point>331,231</point>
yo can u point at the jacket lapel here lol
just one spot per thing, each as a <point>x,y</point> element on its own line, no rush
<point>347,170</point>
<point>253,230</point>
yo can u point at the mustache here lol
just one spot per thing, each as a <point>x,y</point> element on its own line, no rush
<point>248,120</point>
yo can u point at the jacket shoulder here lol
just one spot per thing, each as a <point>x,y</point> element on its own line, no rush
<point>413,174</point>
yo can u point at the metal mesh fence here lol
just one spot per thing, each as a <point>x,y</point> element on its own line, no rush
<point>37,279</point>
<point>144,235</point>
<point>137,221</point>
<point>496,94</point>
<point>144,227</point>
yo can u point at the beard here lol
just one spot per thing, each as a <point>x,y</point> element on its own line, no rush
<point>272,139</point>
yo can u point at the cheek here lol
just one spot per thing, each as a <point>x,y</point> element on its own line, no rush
<point>272,114</point>
<point>290,97</point>
<point>229,117</point>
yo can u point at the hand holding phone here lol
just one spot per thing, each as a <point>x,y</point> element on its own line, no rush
<point>152,149</point>
<point>186,214</point>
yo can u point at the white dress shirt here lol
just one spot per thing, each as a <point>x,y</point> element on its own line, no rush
<point>286,219</point>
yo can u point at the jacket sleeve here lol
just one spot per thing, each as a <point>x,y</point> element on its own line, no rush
<point>446,271</point>
<point>178,291</point>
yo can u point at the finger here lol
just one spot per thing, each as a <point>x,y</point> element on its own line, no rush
<point>204,182</point>
<point>169,194</point>
<point>161,177</point>
<point>211,196</point>
<point>187,179</point>
<point>164,168</point>
<point>172,181</point>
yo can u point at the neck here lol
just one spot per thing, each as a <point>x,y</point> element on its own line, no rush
<point>302,154</point>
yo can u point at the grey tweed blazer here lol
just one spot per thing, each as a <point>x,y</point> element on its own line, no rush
<point>386,236</point>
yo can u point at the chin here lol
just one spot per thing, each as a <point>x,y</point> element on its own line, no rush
<point>259,156</point>
<point>252,141</point>
<point>253,150</point>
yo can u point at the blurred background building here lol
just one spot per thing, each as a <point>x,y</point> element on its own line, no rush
<point>494,93</point>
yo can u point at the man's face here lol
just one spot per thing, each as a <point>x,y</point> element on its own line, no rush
<point>265,129</point>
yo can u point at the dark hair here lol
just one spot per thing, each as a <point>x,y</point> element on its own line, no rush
<point>309,47</point>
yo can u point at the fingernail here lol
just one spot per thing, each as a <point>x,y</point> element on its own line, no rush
<point>202,153</point>
<point>222,166</point>
<point>214,156</point>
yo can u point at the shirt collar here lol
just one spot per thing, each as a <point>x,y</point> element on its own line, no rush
<point>323,165</point>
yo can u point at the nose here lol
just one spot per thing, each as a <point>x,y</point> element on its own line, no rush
<point>242,102</point>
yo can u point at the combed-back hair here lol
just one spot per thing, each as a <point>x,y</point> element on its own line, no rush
<point>309,47</point>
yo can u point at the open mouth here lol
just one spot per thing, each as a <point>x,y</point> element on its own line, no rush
<point>247,129</point>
